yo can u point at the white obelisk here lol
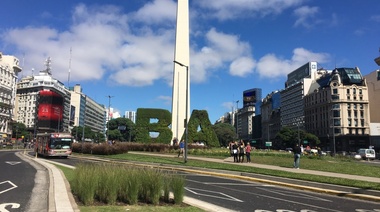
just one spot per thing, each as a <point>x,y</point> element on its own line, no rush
<point>181,73</point>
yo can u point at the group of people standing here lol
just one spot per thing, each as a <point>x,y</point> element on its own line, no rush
<point>239,150</point>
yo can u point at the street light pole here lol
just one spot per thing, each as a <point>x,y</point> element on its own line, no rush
<point>109,111</point>
<point>237,119</point>
<point>298,126</point>
<point>187,108</point>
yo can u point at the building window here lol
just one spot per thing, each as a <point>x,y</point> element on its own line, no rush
<point>378,75</point>
<point>360,91</point>
<point>335,91</point>
<point>335,97</point>
<point>349,106</point>
<point>354,91</point>
<point>349,122</point>
<point>348,91</point>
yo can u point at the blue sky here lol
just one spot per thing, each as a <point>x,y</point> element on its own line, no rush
<point>126,48</point>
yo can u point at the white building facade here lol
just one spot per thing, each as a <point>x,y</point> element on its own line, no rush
<point>9,69</point>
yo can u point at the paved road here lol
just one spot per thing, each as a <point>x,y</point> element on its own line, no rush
<point>18,180</point>
<point>240,195</point>
<point>248,196</point>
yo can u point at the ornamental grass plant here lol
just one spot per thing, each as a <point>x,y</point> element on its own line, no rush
<point>110,184</point>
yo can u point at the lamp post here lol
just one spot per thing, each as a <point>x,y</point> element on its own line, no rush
<point>187,108</point>
<point>109,118</point>
<point>333,124</point>
<point>298,128</point>
<point>269,133</point>
<point>237,119</point>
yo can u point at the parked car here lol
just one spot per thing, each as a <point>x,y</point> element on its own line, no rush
<point>367,154</point>
<point>289,149</point>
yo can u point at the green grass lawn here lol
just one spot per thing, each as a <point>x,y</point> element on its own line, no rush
<point>342,165</point>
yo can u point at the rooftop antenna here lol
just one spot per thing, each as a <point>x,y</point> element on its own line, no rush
<point>68,78</point>
<point>48,66</point>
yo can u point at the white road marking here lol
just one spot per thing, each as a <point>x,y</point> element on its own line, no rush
<point>218,195</point>
<point>12,184</point>
<point>13,205</point>
<point>12,162</point>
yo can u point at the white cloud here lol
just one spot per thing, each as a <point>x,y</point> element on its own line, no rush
<point>228,105</point>
<point>157,12</point>
<point>270,66</point>
<point>107,46</point>
<point>305,15</point>
<point>232,9</point>
<point>103,45</point>
<point>221,49</point>
<point>242,66</point>
<point>375,18</point>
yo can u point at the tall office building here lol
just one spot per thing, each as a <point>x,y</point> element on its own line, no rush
<point>271,118</point>
<point>181,73</point>
<point>87,112</point>
<point>296,87</point>
<point>9,69</point>
<point>245,115</point>
<point>131,115</point>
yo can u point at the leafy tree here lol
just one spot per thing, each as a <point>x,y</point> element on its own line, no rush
<point>121,129</point>
<point>290,137</point>
<point>19,130</point>
<point>225,133</point>
<point>77,132</point>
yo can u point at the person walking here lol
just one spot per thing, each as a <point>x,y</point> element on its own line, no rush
<point>248,152</point>
<point>297,156</point>
<point>181,147</point>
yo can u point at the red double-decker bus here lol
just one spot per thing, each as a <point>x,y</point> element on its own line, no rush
<point>53,144</point>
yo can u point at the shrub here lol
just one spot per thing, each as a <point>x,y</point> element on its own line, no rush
<point>178,188</point>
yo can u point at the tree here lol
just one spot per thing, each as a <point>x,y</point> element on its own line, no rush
<point>225,133</point>
<point>121,129</point>
<point>291,137</point>
<point>77,132</point>
<point>19,130</point>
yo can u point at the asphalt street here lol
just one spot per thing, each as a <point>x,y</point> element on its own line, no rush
<point>22,184</point>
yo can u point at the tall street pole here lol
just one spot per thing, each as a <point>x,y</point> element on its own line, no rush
<point>109,118</point>
<point>187,109</point>
<point>237,119</point>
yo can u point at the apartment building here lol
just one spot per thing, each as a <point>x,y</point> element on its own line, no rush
<point>9,69</point>
<point>373,84</point>
<point>337,110</point>
<point>42,103</point>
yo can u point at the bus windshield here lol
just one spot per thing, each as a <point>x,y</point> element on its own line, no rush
<point>60,143</point>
